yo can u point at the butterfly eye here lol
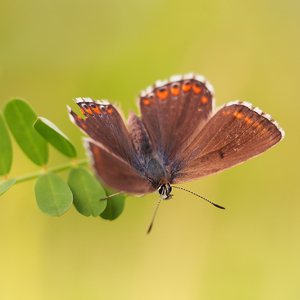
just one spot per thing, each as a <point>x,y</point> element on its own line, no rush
<point>168,188</point>
<point>161,190</point>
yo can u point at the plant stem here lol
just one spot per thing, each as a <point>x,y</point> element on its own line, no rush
<point>66,166</point>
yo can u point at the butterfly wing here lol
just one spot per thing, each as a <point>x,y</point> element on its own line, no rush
<point>110,147</point>
<point>236,133</point>
<point>115,172</point>
<point>174,112</point>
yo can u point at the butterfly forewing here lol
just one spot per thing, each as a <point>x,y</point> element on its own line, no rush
<point>104,124</point>
<point>175,112</point>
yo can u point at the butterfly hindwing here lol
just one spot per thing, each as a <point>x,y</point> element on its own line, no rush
<point>236,133</point>
<point>115,172</point>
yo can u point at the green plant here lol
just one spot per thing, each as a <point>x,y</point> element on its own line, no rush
<point>53,195</point>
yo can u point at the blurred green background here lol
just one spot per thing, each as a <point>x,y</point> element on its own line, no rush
<point>53,51</point>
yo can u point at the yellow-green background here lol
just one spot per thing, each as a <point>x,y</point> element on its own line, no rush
<point>53,51</point>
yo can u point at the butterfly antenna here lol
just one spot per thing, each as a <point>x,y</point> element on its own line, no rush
<point>216,205</point>
<point>118,193</point>
<point>151,224</point>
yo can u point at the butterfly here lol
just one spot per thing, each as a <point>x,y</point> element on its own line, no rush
<point>180,136</point>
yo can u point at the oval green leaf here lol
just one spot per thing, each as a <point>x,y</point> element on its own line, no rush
<point>115,205</point>
<point>55,137</point>
<point>87,192</point>
<point>6,154</point>
<point>5,185</point>
<point>20,117</point>
<point>53,195</point>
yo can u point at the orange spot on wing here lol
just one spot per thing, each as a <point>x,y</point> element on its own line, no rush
<point>257,125</point>
<point>96,110</point>
<point>162,93</point>
<point>96,151</point>
<point>110,110</point>
<point>79,118</point>
<point>248,120</point>
<point>89,111</point>
<point>186,86</point>
<point>204,99</point>
<point>83,126</point>
<point>238,115</point>
<point>82,110</point>
<point>196,88</point>
<point>175,90</point>
<point>146,101</point>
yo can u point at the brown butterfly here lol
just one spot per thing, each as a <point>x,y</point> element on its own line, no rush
<point>180,136</point>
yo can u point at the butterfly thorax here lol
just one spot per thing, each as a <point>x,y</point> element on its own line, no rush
<point>156,173</point>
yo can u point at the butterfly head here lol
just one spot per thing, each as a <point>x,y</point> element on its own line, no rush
<point>164,190</point>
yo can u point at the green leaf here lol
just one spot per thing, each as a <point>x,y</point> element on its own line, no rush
<point>20,117</point>
<point>5,185</point>
<point>55,137</point>
<point>53,195</point>
<point>6,154</point>
<point>87,192</point>
<point>115,205</point>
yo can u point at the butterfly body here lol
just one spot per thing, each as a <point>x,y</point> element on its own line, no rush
<point>180,137</point>
<point>152,166</point>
